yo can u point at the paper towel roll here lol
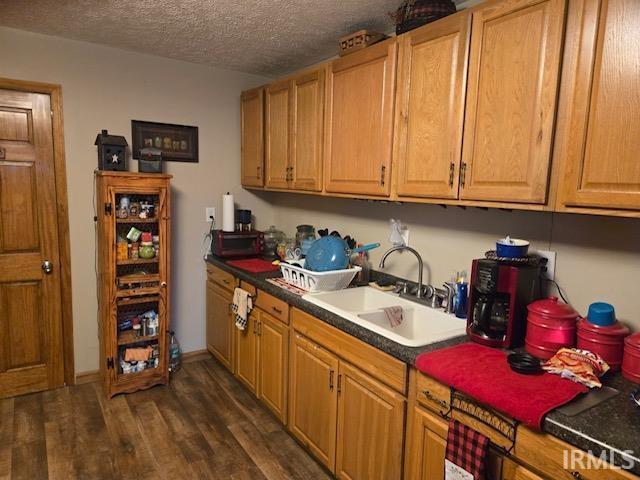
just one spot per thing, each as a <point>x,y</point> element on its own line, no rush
<point>228,213</point>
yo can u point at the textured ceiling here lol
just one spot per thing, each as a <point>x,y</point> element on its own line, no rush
<point>267,37</point>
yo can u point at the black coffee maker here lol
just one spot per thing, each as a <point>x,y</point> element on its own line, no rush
<point>498,299</point>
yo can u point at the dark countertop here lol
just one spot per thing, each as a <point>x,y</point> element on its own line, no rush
<point>612,427</point>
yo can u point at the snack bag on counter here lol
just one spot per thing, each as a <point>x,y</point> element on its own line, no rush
<point>581,366</point>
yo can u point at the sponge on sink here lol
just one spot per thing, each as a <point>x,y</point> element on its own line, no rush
<point>394,315</point>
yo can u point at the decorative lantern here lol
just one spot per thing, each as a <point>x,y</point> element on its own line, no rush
<point>112,152</point>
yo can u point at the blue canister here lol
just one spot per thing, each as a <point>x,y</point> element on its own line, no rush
<point>601,314</point>
<point>511,247</point>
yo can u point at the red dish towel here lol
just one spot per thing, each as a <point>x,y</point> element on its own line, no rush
<point>253,265</point>
<point>484,374</point>
<point>466,449</point>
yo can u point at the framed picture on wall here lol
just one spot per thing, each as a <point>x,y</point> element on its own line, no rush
<point>178,143</point>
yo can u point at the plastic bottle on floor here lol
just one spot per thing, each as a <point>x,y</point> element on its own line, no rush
<point>175,354</point>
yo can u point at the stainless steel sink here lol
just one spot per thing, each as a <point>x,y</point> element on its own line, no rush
<point>421,325</point>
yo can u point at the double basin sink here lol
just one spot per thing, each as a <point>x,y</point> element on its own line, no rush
<point>421,325</point>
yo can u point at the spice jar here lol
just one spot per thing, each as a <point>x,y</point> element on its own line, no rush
<point>135,250</point>
<point>122,250</point>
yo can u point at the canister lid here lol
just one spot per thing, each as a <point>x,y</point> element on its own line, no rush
<point>551,307</point>
<point>602,314</point>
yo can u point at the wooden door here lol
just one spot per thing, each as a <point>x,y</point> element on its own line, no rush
<point>308,128</point>
<point>427,446</point>
<point>514,67</point>
<point>432,72</point>
<point>277,136</point>
<point>272,382</point>
<point>313,398</point>
<point>31,354</point>
<point>252,135</point>
<point>247,359</point>
<point>602,138</point>
<point>370,428</point>
<point>521,473</point>
<point>359,121</point>
<point>219,324</point>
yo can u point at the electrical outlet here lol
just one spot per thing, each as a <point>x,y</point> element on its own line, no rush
<point>210,213</point>
<point>551,263</point>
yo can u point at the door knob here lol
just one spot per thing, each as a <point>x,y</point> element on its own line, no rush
<point>47,266</point>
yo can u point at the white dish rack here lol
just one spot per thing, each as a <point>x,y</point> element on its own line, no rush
<point>318,281</point>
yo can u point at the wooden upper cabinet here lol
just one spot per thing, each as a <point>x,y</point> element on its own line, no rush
<point>277,134</point>
<point>359,121</point>
<point>252,137</point>
<point>601,147</point>
<point>511,100</point>
<point>308,128</point>
<point>432,72</point>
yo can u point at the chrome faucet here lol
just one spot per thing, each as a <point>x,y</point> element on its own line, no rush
<point>420,264</point>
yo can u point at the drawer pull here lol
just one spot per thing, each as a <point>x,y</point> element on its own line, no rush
<point>277,310</point>
<point>434,399</point>
<point>226,282</point>
<point>340,383</point>
<point>577,475</point>
<point>331,380</point>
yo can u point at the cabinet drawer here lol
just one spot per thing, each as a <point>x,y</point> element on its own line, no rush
<point>275,307</point>
<point>547,454</point>
<point>432,394</point>
<point>368,358</point>
<point>222,278</point>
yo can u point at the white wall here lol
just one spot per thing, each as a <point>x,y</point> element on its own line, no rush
<point>105,88</point>
<point>598,258</point>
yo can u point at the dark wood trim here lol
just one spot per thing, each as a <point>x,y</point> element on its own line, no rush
<point>55,93</point>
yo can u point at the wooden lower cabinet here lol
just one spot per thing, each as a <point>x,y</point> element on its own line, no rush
<point>247,352</point>
<point>427,446</point>
<point>370,427</point>
<point>272,365</point>
<point>219,324</point>
<point>313,401</point>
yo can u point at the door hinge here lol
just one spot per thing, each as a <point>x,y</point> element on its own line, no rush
<point>463,173</point>
<point>452,170</point>
<point>383,169</point>
<point>110,363</point>
<point>108,208</point>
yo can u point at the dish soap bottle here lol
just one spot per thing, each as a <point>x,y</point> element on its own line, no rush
<point>175,355</point>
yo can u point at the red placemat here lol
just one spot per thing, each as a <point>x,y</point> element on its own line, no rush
<point>484,374</point>
<point>254,265</point>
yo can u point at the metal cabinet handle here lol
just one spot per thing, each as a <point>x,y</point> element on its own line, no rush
<point>463,173</point>
<point>47,266</point>
<point>434,399</point>
<point>340,383</point>
<point>383,169</point>
<point>577,475</point>
<point>258,171</point>
<point>277,310</point>
<point>331,380</point>
<point>452,169</point>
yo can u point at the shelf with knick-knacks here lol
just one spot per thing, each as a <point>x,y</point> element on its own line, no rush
<point>133,241</point>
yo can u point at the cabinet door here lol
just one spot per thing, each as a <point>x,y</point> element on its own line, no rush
<point>427,446</point>
<point>274,337</point>
<point>511,99</point>
<point>429,117</point>
<point>308,116</point>
<point>247,357</point>
<point>370,428</point>
<point>603,134</point>
<point>313,398</point>
<point>359,121</point>
<point>219,324</point>
<point>277,137</point>
<point>522,473</point>
<point>252,134</point>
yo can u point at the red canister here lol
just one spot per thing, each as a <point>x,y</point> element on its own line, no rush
<point>608,342</point>
<point>631,358</point>
<point>551,325</point>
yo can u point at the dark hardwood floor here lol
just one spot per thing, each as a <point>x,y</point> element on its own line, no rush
<point>203,425</point>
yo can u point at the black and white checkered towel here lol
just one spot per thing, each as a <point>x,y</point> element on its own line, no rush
<point>242,306</point>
